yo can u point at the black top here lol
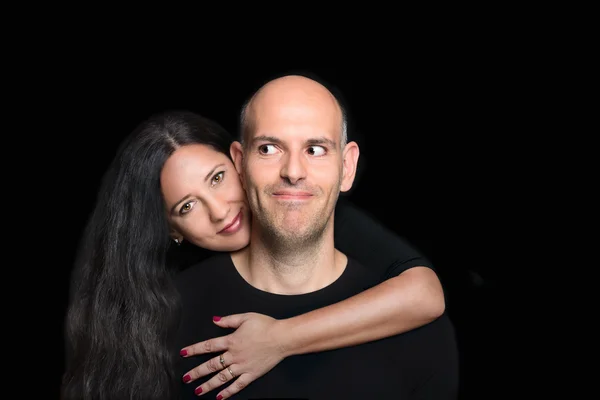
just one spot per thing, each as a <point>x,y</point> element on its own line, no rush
<point>381,250</point>
<point>422,363</point>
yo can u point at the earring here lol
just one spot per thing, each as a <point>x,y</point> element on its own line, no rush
<point>177,241</point>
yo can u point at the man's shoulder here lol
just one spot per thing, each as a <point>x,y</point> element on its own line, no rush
<point>356,270</point>
<point>356,265</point>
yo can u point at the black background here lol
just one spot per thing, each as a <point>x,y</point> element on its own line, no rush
<point>434,132</point>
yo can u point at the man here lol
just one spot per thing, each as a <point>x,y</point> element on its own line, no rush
<point>294,160</point>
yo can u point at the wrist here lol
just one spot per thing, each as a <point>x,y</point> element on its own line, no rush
<point>283,335</point>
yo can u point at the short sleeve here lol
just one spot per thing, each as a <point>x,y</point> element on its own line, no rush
<point>360,236</point>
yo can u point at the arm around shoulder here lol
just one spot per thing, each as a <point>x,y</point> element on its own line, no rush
<point>410,296</point>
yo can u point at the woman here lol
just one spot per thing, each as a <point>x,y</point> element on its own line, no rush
<point>123,311</point>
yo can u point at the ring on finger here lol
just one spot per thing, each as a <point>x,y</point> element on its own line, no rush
<point>222,361</point>
<point>231,372</point>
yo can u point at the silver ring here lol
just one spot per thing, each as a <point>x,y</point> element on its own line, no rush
<point>222,361</point>
<point>231,372</point>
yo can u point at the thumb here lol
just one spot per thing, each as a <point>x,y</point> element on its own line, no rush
<point>230,321</point>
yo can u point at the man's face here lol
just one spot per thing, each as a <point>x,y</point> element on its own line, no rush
<point>293,166</point>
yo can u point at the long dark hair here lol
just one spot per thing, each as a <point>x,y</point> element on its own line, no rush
<point>123,308</point>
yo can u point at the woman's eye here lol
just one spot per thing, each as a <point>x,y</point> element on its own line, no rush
<point>218,178</point>
<point>187,207</point>
<point>266,149</point>
<point>316,150</point>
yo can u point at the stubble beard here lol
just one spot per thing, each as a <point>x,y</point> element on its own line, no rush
<point>291,228</point>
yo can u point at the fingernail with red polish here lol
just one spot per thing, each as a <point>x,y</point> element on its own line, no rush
<point>216,319</point>
<point>198,390</point>
<point>187,378</point>
<point>219,397</point>
<point>183,353</point>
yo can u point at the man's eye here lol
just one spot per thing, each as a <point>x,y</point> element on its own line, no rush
<point>266,149</point>
<point>316,151</point>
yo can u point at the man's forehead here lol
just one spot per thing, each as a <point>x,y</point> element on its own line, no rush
<point>287,126</point>
<point>293,102</point>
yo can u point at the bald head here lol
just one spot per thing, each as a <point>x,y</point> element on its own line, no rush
<point>299,98</point>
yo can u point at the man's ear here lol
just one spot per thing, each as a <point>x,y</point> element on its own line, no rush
<point>349,164</point>
<point>237,155</point>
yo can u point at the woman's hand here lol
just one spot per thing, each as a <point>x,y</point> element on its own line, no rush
<point>245,355</point>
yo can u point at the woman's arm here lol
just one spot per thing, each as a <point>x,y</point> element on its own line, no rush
<point>402,303</point>
<point>410,295</point>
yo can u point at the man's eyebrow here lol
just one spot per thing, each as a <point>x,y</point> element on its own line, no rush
<point>322,140</point>
<point>312,141</point>
<point>266,138</point>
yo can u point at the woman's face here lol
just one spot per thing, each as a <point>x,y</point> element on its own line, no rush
<point>206,204</point>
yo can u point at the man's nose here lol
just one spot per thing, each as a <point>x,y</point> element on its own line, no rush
<point>293,167</point>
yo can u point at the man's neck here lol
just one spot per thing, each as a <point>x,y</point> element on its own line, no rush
<point>290,268</point>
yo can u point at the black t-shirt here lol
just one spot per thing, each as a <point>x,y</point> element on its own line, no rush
<point>368,241</point>
<point>422,363</point>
